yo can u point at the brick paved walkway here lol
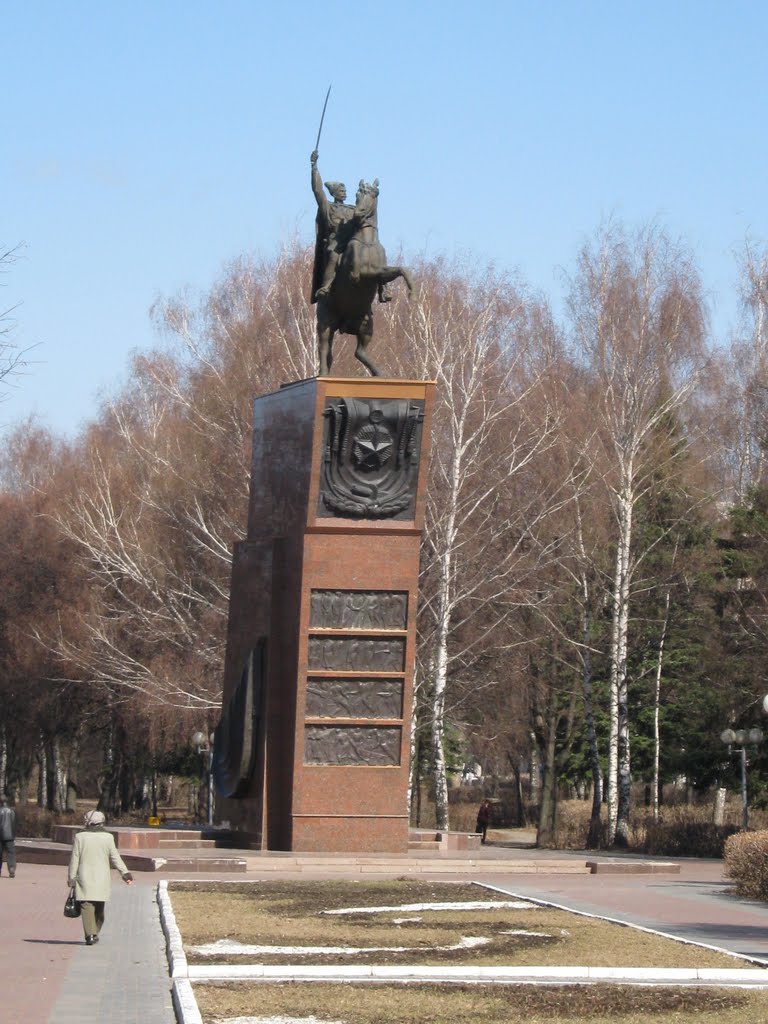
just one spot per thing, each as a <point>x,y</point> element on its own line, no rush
<point>124,979</point>
<point>51,977</point>
<point>57,979</point>
<point>697,905</point>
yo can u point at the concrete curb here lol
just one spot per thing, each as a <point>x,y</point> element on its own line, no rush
<point>177,958</point>
<point>627,924</point>
<point>184,1002</point>
<point>346,973</point>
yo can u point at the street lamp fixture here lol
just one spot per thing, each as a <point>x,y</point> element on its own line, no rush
<point>204,745</point>
<point>741,738</point>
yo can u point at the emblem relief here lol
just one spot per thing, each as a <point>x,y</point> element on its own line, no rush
<point>370,458</point>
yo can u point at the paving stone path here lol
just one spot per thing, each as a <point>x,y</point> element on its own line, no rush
<point>57,979</point>
<point>124,978</point>
<point>697,905</point>
<point>51,977</point>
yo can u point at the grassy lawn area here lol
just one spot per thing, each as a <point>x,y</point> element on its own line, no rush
<point>298,922</point>
<point>392,923</point>
<point>469,1004</point>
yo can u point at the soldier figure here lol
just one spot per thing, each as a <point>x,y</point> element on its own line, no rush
<point>336,225</point>
<point>344,295</point>
<point>334,230</point>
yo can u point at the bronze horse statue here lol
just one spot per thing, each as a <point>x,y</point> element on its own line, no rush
<point>345,306</point>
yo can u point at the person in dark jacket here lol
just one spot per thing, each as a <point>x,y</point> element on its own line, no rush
<point>7,837</point>
<point>483,819</point>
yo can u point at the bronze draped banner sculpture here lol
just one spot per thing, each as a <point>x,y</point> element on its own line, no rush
<point>350,267</point>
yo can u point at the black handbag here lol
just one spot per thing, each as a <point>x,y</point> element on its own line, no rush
<point>72,906</point>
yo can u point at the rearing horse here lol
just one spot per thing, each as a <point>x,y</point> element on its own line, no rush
<point>362,272</point>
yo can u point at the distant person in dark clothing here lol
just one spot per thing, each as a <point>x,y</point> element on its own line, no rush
<point>7,837</point>
<point>483,819</point>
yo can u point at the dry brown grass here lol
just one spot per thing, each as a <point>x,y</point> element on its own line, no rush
<point>492,1004</point>
<point>685,829</point>
<point>289,914</point>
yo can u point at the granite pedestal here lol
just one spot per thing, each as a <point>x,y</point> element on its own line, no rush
<point>312,753</point>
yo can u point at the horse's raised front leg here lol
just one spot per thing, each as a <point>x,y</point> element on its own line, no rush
<point>325,350</point>
<point>387,274</point>
<point>363,339</point>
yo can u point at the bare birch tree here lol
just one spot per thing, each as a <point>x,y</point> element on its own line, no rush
<point>12,359</point>
<point>639,325</point>
<point>741,408</point>
<point>478,341</point>
<point>163,483</point>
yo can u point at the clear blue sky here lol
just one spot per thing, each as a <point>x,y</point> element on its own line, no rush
<point>144,145</point>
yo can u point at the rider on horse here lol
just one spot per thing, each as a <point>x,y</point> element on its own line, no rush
<point>334,229</point>
<point>350,268</point>
<point>337,225</point>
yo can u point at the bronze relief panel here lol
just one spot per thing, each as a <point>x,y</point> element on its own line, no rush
<point>375,746</point>
<point>354,698</point>
<point>359,609</point>
<point>370,458</point>
<point>357,654</point>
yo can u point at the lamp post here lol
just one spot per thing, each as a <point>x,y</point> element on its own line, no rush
<point>740,738</point>
<point>204,745</point>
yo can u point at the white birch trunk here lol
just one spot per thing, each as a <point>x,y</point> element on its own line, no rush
<point>42,773</point>
<point>535,771</point>
<point>589,715</point>
<point>3,761</point>
<point>657,708</point>
<point>719,807</point>
<point>613,706</point>
<point>625,766</point>
<point>73,774</point>
<point>413,774</point>
<point>440,676</point>
<point>59,776</point>
<point>618,743</point>
<point>438,731</point>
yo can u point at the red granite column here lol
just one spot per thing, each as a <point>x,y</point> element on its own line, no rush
<point>325,590</point>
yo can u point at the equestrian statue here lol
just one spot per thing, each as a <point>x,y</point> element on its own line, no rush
<point>350,267</point>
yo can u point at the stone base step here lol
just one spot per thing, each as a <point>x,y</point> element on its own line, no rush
<point>413,865</point>
<point>186,844</point>
<point>271,863</point>
<point>128,837</point>
<point>424,844</point>
<point>34,851</point>
<point>632,867</point>
<point>447,841</point>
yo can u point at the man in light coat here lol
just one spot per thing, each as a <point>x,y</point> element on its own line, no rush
<point>93,854</point>
<point>8,837</point>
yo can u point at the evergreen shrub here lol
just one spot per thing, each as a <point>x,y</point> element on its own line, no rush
<point>746,863</point>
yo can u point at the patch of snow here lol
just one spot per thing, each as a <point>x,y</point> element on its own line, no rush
<point>519,931</point>
<point>468,942</point>
<point>406,920</point>
<point>275,1020</point>
<point>228,947</point>
<point>467,905</point>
